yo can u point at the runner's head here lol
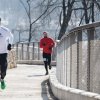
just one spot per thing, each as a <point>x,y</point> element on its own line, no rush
<point>45,34</point>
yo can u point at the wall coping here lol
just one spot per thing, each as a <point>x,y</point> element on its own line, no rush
<point>86,26</point>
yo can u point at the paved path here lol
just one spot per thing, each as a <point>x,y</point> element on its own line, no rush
<point>26,82</point>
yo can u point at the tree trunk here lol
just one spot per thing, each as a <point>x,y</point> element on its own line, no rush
<point>85,11</point>
<point>92,11</point>
<point>66,17</point>
<point>30,30</point>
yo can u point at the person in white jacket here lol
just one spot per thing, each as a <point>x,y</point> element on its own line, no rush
<point>6,40</point>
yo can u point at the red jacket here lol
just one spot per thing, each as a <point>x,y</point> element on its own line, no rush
<point>47,44</point>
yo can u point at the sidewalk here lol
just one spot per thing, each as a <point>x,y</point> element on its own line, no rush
<point>26,82</point>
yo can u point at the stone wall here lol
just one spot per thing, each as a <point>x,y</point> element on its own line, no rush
<point>12,59</point>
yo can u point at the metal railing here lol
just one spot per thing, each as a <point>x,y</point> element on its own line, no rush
<point>29,51</point>
<point>78,58</point>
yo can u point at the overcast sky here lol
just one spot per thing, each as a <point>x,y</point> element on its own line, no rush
<point>10,12</point>
<point>13,13</point>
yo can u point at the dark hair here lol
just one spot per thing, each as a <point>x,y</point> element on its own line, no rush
<point>0,19</point>
<point>44,32</point>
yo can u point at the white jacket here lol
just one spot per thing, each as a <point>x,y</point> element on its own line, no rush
<point>6,38</point>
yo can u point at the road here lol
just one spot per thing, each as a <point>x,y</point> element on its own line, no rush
<point>27,82</point>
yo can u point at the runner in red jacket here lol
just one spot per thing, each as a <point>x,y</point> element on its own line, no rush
<point>47,44</point>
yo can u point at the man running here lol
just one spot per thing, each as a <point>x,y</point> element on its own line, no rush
<point>47,44</point>
<point>6,39</point>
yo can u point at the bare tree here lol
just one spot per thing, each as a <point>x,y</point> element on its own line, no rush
<point>30,17</point>
<point>66,8</point>
<point>88,9</point>
<point>67,11</point>
<point>20,31</point>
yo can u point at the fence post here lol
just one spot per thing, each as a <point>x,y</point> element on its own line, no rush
<point>70,61</point>
<point>79,54</point>
<point>17,51</point>
<point>22,51</point>
<point>33,52</point>
<point>90,37</point>
<point>38,51</point>
<point>27,51</point>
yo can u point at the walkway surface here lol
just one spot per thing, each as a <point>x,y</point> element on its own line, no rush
<point>27,82</point>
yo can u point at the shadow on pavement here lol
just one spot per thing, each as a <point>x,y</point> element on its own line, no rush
<point>35,75</point>
<point>46,91</point>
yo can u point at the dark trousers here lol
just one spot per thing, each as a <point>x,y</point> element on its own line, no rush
<point>47,60</point>
<point>3,65</point>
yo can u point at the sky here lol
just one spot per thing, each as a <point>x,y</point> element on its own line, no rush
<point>10,12</point>
<point>13,15</point>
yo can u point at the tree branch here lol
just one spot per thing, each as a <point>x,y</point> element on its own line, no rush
<point>24,7</point>
<point>51,11</point>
